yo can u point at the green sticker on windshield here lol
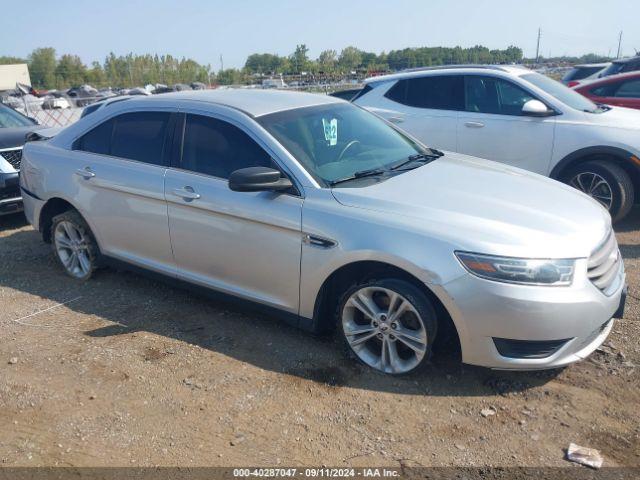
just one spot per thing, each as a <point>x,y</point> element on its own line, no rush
<point>330,130</point>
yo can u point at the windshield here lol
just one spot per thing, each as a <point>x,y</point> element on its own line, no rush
<point>612,69</point>
<point>567,96</point>
<point>580,73</point>
<point>338,141</point>
<point>10,118</point>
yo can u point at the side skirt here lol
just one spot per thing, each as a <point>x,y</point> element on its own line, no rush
<point>247,305</point>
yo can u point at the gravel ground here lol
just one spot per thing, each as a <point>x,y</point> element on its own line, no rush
<point>134,372</point>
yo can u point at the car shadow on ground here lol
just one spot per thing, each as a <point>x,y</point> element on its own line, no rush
<point>12,221</point>
<point>130,302</point>
<point>630,223</point>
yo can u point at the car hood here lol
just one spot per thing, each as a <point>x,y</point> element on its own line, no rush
<point>483,206</point>
<point>14,136</point>
<point>617,117</point>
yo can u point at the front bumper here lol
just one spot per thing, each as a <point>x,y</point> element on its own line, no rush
<point>483,310</point>
<point>10,198</point>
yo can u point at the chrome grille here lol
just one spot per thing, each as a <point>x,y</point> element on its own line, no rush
<point>604,265</point>
<point>13,156</point>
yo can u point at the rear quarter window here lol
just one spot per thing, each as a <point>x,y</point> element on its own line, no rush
<point>440,92</point>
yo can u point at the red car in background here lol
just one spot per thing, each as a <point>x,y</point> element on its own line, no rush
<point>621,90</point>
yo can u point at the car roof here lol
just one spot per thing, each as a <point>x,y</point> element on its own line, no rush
<point>592,65</point>
<point>627,60</point>
<point>418,72</point>
<point>253,102</point>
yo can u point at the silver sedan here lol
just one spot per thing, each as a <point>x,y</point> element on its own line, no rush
<point>314,208</point>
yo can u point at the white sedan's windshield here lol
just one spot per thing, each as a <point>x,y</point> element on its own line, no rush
<point>556,89</point>
<point>339,140</point>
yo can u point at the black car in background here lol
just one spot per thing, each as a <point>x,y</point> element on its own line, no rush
<point>13,128</point>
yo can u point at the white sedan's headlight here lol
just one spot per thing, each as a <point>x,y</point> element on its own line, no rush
<point>526,271</point>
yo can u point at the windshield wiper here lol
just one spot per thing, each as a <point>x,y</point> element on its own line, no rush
<point>417,157</point>
<point>361,174</point>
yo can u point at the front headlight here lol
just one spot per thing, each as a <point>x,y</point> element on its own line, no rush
<point>526,271</point>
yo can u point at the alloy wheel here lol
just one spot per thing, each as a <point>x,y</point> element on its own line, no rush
<point>72,247</point>
<point>384,329</point>
<point>595,186</point>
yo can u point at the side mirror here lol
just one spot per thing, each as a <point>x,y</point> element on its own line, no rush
<point>535,108</point>
<point>258,179</point>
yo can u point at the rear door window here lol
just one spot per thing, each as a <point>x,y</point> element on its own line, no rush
<point>97,140</point>
<point>439,92</point>
<point>494,95</point>
<point>140,136</point>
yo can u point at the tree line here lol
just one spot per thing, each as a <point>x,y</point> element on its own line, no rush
<point>49,71</point>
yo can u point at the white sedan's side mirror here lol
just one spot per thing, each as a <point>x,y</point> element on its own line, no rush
<point>535,108</point>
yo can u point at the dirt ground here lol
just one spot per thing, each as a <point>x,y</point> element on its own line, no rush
<point>134,372</point>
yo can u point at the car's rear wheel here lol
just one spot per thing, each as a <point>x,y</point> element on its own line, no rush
<point>388,324</point>
<point>605,182</point>
<point>74,245</point>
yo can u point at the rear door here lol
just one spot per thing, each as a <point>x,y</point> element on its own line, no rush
<point>492,125</point>
<point>118,170</point>
<point>426,107</point>
<point>244,243</point>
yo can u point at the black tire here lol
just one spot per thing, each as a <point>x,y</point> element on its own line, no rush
<point>410,292</point>
<point>92,250</point>
<point>617,178</point>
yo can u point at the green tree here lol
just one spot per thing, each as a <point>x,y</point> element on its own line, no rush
<point>327,60</point>
<point>70,71</point>
<point>299,59</point>
<point>11,60</point>
<point>350,58</point>
<point>230,76</point>
<point>42,67</point>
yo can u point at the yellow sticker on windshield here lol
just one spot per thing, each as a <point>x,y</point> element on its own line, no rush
<point>330,130</point>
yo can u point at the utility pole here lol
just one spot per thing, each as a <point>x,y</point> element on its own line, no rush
<point>221,63</point>
<point>619,43</point>
<point>538,48</point>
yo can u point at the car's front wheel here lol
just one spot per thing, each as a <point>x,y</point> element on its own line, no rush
<point>74,245</point>
<point>388,324</point>
<point>605,182</point>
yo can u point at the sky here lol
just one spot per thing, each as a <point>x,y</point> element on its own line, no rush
<point>205,30</point>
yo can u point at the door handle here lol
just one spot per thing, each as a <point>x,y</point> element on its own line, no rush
<point>396,119</point>
<point>186,193</point>
<point>474,124</point>
<point>85,173</point>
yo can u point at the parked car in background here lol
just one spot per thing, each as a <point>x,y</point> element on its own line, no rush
<point>83,95</point>
<point>347,94</point>
<point>13,128</point>
<point>622,65</point>
<point>622,90</point>
<point>583,72</point>
<point>312,207</point>
<point>522,118</point>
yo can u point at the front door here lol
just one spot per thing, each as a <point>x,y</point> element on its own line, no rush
<point>246,244</point>
<point>492,125</point>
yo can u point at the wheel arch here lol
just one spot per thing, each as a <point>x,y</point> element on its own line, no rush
<point>361,270</point>
<point>625,159</point>
<point>52,207</point>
